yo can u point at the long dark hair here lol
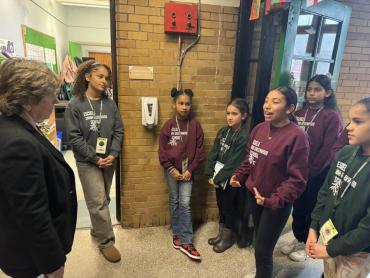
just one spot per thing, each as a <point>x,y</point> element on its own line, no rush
<point>241,105</point>
<point>81,84</point>
<point>290,99</point>
<point>325,82</point>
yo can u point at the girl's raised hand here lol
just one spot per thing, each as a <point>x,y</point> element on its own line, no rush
<point>259,199</point>
<point>234,181</point>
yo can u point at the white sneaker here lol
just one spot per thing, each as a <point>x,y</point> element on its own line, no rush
<point>299,255</point>
<point>289,247</point>
<point>251,274</point>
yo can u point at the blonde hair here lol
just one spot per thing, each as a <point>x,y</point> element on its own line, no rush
<point>81,84</point>
<point>24,82</point>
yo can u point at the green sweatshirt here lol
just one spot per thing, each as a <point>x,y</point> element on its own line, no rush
<point>351,217</point>
<point>229,149</point>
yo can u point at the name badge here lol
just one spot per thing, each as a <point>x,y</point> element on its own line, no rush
<point>328,231</point>
<point>184,165</point>
<point>101,145</point>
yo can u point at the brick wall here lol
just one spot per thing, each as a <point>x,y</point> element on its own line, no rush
<point>207,69</point>
<point>354,79</point>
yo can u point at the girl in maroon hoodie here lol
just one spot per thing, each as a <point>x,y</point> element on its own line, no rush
<point>320,119</point>
<point>181,153</point>
<point>274,172</point>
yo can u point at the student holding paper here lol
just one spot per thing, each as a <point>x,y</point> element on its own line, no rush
<point>226,155</point>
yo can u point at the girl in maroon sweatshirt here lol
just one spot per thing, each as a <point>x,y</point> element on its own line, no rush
<point>320,119</point>
<point>274,172</point>
<point>181,153</point>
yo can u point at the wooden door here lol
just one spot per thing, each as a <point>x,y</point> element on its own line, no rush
<point>101,57</point>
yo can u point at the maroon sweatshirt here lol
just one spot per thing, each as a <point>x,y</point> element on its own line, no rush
<point>323,131</point>
<point>174,148</point>
<point>340,143</point>
<point>277,167</point>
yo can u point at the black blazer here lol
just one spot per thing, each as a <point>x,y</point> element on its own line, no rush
<point>38,204</point>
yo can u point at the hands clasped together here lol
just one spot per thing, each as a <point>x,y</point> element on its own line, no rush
<point>313,249</point>
<point>180,177</point>
<point>105,162</point>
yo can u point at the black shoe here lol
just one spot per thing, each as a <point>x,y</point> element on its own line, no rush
<point>227,240</point>
<point>216,239</point>
<point>245,238</point>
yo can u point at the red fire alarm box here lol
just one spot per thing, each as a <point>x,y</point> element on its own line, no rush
<point>181,18</point>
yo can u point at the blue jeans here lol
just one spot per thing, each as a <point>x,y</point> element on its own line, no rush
<point>179,203</point>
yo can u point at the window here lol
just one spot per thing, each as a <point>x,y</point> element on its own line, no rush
<point>314,49</point>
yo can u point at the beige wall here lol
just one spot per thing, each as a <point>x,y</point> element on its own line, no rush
<point>207,69</point>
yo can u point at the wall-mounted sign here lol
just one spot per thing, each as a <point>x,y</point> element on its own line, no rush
<point>141,72</point>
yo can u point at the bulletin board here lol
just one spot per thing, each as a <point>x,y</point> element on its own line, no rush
<point>39,46</point>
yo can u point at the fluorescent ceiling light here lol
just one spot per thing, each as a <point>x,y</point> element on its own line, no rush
<point>85,5</point>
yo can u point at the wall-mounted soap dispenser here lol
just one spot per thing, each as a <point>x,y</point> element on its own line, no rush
<point>149,110</point>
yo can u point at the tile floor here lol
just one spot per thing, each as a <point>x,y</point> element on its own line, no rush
<point>148,252</point>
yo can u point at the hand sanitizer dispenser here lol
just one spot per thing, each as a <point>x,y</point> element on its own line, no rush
<point>149,110</point>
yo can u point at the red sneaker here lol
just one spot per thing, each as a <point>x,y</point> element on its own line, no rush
<point>176,242</point>
<point>190,251</point>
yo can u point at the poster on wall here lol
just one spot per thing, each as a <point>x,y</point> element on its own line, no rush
<point>39,46</point>
<point>7,47</point>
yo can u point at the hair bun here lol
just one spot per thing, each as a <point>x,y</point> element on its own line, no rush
<point>174,92</point>
<point>189,92</point>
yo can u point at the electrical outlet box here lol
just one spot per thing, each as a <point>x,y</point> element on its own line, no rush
<point>181,18</point>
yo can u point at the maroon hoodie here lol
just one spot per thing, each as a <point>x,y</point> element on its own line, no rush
<point>174,148</point>
<point>340,143</point>
<point>323,131</point>
<point>277,167</point>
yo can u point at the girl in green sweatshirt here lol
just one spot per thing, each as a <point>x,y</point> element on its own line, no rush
<point>342,213</point>
<point>225,156</point>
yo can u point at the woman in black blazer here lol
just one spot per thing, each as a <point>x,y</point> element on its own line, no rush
<point>38,205</point>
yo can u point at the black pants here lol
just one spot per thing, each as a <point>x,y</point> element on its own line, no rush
<point>21,273</point>
<point>233,206</point>
<point>268,224</point>
<point>304,205</point>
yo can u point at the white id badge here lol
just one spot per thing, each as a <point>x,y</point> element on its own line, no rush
<point>101,145</point>
<point>184,165</point>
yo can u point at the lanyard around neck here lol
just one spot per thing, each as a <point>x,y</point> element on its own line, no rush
<point>313,118</point>
<point>232,140</point>
<point>178,128</point>
<point>357,150</point>
<point>93,110</point>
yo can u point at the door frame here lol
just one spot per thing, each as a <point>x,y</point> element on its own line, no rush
<point>113,38</point>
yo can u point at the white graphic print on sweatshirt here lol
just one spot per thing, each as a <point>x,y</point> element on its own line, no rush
<point>93,119</point>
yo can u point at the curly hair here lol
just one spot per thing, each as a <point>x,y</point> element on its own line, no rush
<point>24,82</point>
<point>81,84</point>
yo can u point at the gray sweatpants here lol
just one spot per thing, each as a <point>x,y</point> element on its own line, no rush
<point>96,184</point>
